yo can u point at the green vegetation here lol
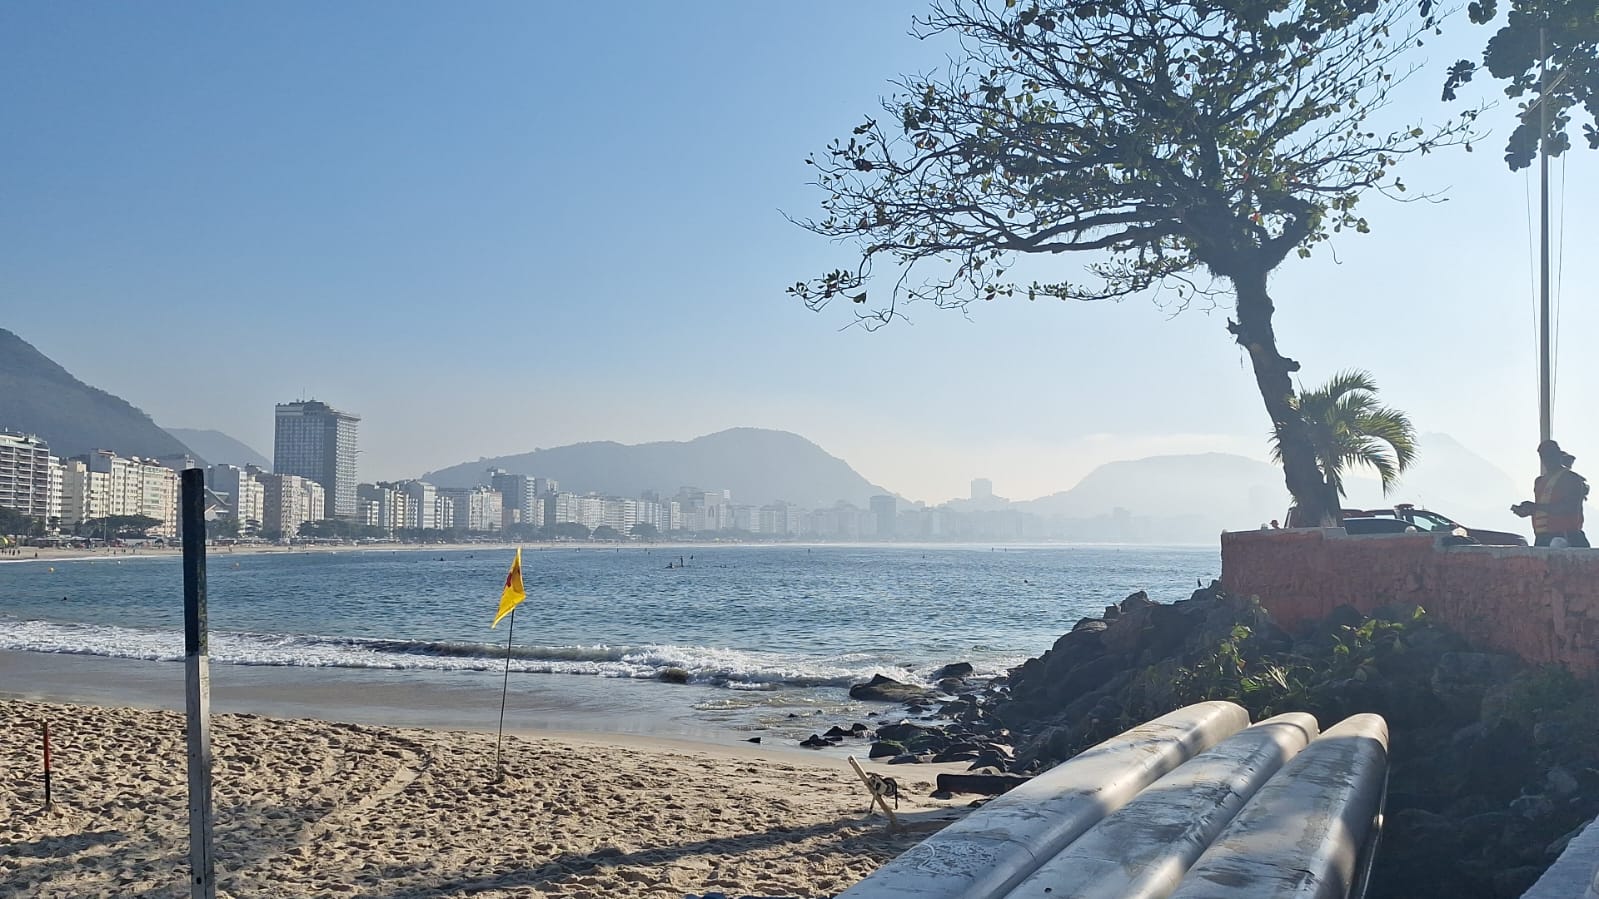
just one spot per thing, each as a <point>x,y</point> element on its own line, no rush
<point>1193,150</point>
<point>14,522</point>
<point>1569,47</point>
<point>340,529</point>
<point>125,527</point>
<point>1348,427</point>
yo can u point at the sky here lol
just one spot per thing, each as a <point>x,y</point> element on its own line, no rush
<point>492,228</point>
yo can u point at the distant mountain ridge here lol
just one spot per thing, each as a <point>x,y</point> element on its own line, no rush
<point>219,448</point>
<point>1196,495</point>
<point>38,396</point>
<point>757,465</point>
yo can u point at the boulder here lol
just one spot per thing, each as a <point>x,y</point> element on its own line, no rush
<point>885,749</point>
<point>953,669</point>
<point>835,732</point>
<point>908,758</point>
<point>886,689</point>
<point>904,731</point>
<point>815,741</point>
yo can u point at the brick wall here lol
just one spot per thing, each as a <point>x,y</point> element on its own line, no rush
<point>1541,604</point>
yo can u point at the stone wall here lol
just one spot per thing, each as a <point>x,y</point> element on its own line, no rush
<point>1541,604</point>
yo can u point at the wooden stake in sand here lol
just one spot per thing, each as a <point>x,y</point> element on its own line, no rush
<point>510,598</point>
<point>202,881</point>
<point>893,822</point>
<point>46,726</point>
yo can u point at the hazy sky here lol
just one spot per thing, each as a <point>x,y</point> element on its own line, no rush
<point>500,226</point>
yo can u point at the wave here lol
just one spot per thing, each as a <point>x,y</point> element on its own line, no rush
<point>729,668</point>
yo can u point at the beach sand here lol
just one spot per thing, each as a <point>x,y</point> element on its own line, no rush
<point>317,808</point>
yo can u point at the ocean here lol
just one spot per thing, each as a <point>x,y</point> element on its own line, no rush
<point>764,635</point>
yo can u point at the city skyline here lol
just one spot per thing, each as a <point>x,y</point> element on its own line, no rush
<point>416,213</point>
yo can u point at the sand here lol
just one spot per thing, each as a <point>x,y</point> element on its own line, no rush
<point>316,808</point>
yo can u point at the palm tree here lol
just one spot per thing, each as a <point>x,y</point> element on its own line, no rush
<point>1348,428</point>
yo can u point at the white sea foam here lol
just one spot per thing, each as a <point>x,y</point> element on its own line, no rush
<point>730,668</point>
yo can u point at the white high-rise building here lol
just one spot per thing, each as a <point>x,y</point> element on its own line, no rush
<point>519,496</point>
<point>290,501</point>
<point>316,441</point>
<point>423,502</point>
<point>103,484</point>
<point>25,476</point>
<point>245,494</point>
<point>475,508</point>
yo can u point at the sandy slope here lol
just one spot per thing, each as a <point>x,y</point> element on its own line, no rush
<point>307,808</point>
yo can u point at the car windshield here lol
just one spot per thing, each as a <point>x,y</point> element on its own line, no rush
<point>1431,522</point>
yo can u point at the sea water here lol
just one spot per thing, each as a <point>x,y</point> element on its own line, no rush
<point>763,634</point>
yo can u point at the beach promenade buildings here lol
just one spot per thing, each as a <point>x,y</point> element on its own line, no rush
<point>29,477</point>
<point>316,441</point>
<point>288,501</point>
<point>244,494</point>
<point>519,495</point>
<point>474,508</point>
<point>102,484</point>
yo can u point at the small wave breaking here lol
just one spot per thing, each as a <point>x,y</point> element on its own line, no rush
<point>729,668</point>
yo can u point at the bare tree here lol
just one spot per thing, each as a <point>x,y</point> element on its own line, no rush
<point>1192,145</point>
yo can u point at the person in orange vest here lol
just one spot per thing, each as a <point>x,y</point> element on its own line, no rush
<point>1556,509</point>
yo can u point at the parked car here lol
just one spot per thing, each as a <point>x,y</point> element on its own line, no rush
<point>1366,524</point>
<point>1427,520</point>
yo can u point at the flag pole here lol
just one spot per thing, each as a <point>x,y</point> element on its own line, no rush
<point>499,772</point>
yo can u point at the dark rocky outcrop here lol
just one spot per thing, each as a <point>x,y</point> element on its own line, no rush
<point>886,689</point>
<point>1493,765</point>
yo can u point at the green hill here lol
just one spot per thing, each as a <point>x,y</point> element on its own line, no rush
<point>37,396</point>
<point>759,466</point>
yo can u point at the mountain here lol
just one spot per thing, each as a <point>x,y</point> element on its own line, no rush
<point>37,396</point>
<point>218,448</point>
<point>1210,491</point>
<point>758,466</point>
<point>1450,479</point>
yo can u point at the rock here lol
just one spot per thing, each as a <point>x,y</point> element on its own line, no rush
<point>942,794</point>
<point>1550,733</point>
<point>884,749</point>
<point>1460,679</point>
<point>984,784</point>
<point>815,741</point>
<point>955,755</point>
<point>908,758</point>
<point>1345,615</point>
<point>1089,626</point>
<point>1553,850</point>
<point>951,685</point>
<point>953,669</point>
<point>1516,881</point>
<point>753,740</point>
<point>886,689</point>
<point>673,676</point>
<point>1532,807</point>
<point>1561,782</point>
<point>1137,600</point>
<point>836,732</point>
<point>858,729</point>
<point>904,731</point>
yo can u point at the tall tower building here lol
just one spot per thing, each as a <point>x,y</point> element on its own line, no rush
<point>318,442</point>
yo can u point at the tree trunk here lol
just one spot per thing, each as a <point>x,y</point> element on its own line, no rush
<point>1314,502</point>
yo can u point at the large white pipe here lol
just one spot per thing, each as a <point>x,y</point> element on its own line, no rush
<point>988,852</point>
<point>1302,833</point>
<point>1143,850</point>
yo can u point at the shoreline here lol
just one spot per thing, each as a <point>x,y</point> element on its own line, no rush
<point>590,710</point>
<point>62,554</point>
<point>309,807</point>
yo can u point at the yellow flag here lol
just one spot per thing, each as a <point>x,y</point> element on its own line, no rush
<point>513,594</point>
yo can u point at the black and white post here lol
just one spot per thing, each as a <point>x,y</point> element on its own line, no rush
<point>202,880</point>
